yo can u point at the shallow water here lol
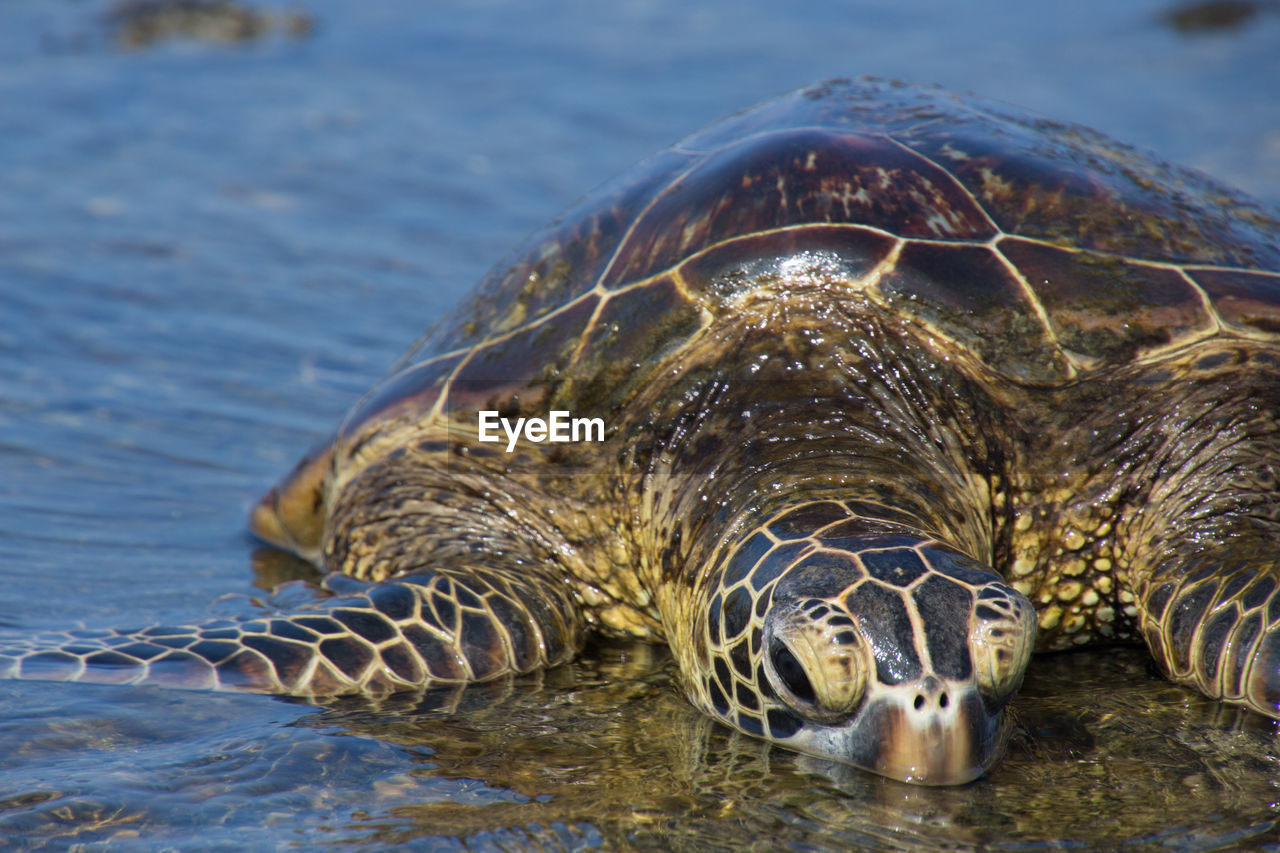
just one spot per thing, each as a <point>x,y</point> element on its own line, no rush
<point>209,250</point>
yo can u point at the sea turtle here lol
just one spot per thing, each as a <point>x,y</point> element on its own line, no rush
<point>854,399</point>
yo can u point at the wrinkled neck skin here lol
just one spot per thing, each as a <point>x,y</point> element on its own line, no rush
<point>815,454</point>
<point>798,410</point>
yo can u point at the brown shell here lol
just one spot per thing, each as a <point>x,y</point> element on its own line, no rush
<point>1042,250</point>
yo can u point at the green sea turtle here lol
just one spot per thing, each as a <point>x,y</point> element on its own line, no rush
<point>876,390</point>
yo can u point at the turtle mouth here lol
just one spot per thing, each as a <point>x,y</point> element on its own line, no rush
<point>948,745</point>
<point>926,733</point>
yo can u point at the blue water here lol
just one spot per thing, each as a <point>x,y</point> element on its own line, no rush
<point>208,251</point>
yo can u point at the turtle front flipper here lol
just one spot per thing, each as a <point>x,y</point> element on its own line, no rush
<point>414,631</point>
<point>1204,550</point>
<point>1212,619</point>
<point>862,641</point>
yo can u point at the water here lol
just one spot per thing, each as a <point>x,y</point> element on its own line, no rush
<point>209,250</point>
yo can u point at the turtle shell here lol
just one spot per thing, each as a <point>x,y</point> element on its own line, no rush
<point>1038,250</point>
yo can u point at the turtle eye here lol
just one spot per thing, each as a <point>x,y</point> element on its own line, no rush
<point>815,659</point>
<point>1002,636</point>
<point>791,673</point>
<point>820,678</point>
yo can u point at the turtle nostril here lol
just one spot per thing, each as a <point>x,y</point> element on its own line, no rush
<point>921,701</point>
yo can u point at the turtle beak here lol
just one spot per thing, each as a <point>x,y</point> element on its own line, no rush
<point>930,735</point>
<point>927,732</point>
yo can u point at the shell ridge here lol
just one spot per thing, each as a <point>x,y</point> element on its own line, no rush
<point>1074,364</point>
<point>1217,326</point>
<point>986,214</point>
<point>624,241</point>
<point>437,408</point>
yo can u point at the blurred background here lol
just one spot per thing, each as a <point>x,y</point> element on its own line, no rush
<point>221,222</point>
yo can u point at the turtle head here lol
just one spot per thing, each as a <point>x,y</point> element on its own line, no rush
<point>292,514</point>
<point>887,651</point>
